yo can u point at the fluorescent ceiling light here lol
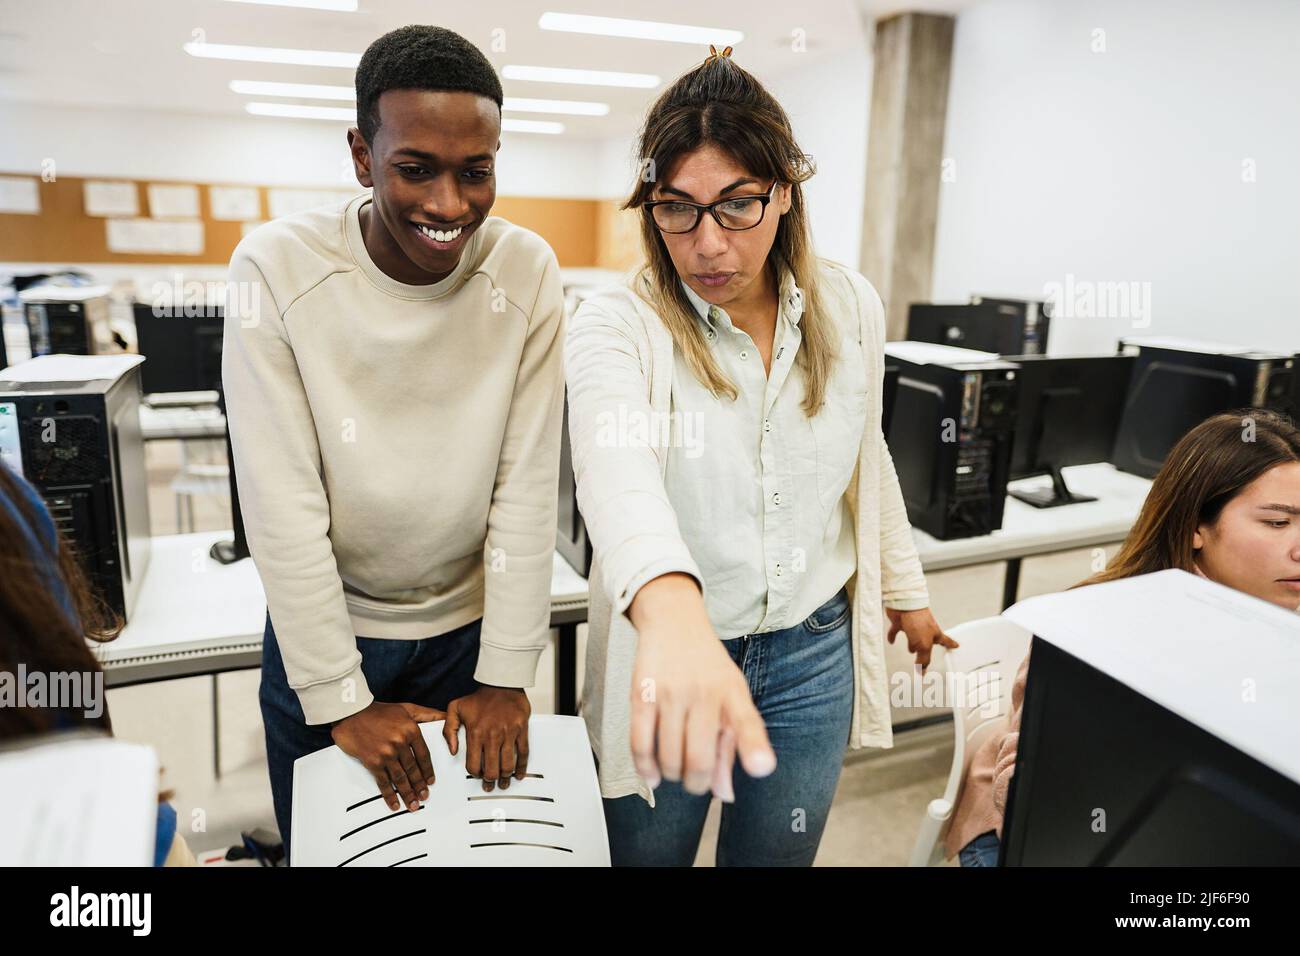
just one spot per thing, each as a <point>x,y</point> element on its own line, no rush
<point>530,126</point>
<point>349,115</point>
<point>306,91</point>
<point>639,29</point>
<point>556,74</point>
<point>295,111</point>
<point>344,6</point>
<point>523,104</point>
<point>268,54</point>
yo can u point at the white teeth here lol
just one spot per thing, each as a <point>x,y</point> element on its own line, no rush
<point>438,235</point>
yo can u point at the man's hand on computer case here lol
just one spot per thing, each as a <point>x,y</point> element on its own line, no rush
<point>386,738</point>
<point>922,632</point>
<point>496,733</point>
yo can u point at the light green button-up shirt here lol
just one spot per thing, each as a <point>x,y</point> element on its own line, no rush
<point>759,492</point>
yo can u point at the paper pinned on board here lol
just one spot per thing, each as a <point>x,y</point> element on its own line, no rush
<point>173,201</point>
<point>235,203</point>
<point>20,194</point>
<point>553,817</point>
<point>103,811</point>
<point>107,198</point>
<point>286,202</point>
<point>167,237</point>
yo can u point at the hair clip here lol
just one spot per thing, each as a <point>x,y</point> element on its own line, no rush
<point>713,51</point>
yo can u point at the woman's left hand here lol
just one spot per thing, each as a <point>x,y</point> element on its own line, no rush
<point>922,632</point>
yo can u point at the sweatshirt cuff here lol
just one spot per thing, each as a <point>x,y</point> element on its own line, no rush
<point>907,604</point>
<point>333,700</point>
<point>507,666</point>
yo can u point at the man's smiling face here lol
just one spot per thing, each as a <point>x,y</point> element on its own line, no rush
<point>432,168</point>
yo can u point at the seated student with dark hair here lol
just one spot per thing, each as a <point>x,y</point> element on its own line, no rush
<point>47,612</point>
<point>1225,506</point>
<point>393,377</point>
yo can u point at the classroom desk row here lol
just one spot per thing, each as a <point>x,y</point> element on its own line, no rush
<point>198,617</point>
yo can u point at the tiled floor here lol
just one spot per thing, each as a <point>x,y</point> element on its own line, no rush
<point>877,809</point>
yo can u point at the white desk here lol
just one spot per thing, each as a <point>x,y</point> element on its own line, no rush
<point>198,617</point>
<point>1028,531</point>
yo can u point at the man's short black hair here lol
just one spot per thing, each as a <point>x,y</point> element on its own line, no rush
<point>420,57</point>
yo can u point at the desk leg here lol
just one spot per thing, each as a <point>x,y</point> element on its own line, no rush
<point>216,731</point>
<point>1011,583</point>
<point>566,670</point>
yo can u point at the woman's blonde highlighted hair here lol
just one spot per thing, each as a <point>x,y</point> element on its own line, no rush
<point>719,104</point>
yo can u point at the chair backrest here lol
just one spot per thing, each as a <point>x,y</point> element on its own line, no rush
<point>977,680</point>
<point>982,671</point>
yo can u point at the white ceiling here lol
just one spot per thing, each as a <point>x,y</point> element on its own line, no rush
<point>127,54</point>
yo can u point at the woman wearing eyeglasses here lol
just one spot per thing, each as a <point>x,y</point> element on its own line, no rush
<point>749,535</point>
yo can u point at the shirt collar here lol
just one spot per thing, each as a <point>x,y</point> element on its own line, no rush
<point>791,299</point>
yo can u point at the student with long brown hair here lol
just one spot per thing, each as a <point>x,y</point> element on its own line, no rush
<point>48,611</point>
<point>1225,506</point>
<point>749,534</point>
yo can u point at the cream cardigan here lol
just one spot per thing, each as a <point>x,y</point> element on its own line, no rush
<point>619,363</point>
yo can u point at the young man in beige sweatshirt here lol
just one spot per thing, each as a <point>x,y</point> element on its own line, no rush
<point>394,387</point>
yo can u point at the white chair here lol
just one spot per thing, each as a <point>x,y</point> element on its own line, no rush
<point>989,647</point>
<point>209,477</point>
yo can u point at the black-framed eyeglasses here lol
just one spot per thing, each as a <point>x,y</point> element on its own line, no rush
<point>736,214</point>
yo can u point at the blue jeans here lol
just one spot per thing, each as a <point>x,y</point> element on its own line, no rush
<point>801,679</point>
<point>981,851</point>
<point>432,672</point>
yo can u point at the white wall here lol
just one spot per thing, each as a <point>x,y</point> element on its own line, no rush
<point>193,147</point>
<point>1127,165</point>
<point>828,102</point>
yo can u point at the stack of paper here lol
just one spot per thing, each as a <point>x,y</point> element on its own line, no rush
<point>553,817</point>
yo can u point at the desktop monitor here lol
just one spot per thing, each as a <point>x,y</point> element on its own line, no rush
<point>1176,387</point>
<point>228,552</point>
<point>571,539</point>
<point>1293,407</point>
<point>1068,414</point>
<point>183,352</point>
<point>1000,326</point>
<point>1107,777</point>
<point>890,392</point>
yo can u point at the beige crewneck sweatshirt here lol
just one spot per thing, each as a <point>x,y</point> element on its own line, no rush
<point>396,446</point>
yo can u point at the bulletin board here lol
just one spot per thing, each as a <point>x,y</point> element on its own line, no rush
<point>63,232</point>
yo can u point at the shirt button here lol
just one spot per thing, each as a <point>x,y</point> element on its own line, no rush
<point>778,570</point>
<point>744,354</point>
<point>767,425</point>
<point>776,498</point>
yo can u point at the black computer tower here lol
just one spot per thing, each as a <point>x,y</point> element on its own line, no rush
<point>183,351</point>
<point>1174,389</point>
<point>1001,326</point>
<point>951,435</point>
<point>68,323</point>
<point>571,539</point>
<point>79,444</point>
